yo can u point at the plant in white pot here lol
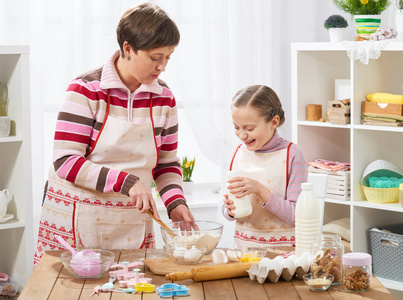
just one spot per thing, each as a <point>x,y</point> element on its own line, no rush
<point>187,171</point>
<point>336,26</point>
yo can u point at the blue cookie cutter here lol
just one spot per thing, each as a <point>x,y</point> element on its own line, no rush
<point>172,289</point>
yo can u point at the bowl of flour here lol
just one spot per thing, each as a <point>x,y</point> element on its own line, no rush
<point>199,232</point>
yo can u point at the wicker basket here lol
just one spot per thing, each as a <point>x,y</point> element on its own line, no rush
<point>381,168</point>
<point>389,195</point>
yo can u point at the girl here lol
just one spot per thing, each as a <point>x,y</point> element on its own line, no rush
<point>272,168</point>
<point>117,131</point>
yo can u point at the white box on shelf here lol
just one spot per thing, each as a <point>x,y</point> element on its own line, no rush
<point>338,183</point>
<point>342,89</point>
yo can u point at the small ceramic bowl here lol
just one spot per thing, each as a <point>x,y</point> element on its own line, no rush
<point>185,253</point>
<point>88,268</point>
<point>248,254</point>
<point>321,283</point>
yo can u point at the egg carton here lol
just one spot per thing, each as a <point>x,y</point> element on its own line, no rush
<point>273,269</point>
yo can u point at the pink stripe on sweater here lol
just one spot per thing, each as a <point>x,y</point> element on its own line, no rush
<point>171,193</point>
<point>77,109</point>
<point>66,167</point>
<point>73,127</point>
<point>111,180</point>
<point>92,176</point>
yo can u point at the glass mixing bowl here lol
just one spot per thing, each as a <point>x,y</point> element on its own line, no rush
<point>199,232</point>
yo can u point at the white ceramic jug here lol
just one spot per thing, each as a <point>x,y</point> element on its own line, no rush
<point>4,200</point>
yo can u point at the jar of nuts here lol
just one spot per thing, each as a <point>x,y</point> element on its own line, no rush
<point>327,253</point>
<point>357,271</point>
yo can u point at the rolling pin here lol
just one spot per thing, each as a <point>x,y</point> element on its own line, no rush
<point>213,272</point>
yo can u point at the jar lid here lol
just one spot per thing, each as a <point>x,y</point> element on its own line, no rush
<point>357,259</point>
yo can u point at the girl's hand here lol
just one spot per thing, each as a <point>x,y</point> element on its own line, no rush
<point>142,199</point>
<point>242,186</point>
<point>229,205</point>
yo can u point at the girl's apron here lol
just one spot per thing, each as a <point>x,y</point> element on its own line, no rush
<point>263,228</point>
<point>69,209</point>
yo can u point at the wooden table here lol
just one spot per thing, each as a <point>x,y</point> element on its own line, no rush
<point>49,280</point>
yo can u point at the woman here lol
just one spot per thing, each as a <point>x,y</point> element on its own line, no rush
<point>117,131</point>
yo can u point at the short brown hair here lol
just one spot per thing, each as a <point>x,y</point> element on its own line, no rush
<point>263,99</point>
<point>145,27</point>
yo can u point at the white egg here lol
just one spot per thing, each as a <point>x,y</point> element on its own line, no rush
<point>219,256</point>
<point>179,252</point>
<point>192,255</point>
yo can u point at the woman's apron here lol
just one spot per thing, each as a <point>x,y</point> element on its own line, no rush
<point>263,228</point>
<point>69,209</point>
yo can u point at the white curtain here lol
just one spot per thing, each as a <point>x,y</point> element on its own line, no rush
<point>225,46</point>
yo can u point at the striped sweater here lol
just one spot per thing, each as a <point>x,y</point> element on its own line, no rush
<point>284,208</point>
<point>82,116</point>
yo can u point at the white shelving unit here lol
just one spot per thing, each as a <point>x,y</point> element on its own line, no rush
<point>315,67</point>
<point>16,235</point>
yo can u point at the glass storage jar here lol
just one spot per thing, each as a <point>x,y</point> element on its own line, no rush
<point>357,271</point>
<point>327,253</point>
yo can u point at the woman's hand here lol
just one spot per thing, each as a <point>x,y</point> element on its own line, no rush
<point>242,186</point>
<point>182,213</point>
<point>142,199</point>
<point>229,205</point>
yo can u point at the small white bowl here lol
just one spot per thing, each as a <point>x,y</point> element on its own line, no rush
<point>318,284</point>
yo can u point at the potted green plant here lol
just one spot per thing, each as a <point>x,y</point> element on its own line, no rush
<point>336,26</point>
<point>187,171</point>
<point>366,14</point>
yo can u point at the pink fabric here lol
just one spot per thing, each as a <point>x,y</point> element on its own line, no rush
<point>329,165</point>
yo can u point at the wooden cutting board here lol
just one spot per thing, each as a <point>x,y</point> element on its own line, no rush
<point>163,266</point>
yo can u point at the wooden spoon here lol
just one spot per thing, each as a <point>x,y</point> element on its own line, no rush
<point>163,225</point>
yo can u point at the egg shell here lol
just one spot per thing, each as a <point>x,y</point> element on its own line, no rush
<point>192,255</point>
<point>232,255</point>
<point>179,252</point>
<point>219,257</point>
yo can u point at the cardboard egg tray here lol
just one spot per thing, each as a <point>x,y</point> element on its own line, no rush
<point>272,269</point>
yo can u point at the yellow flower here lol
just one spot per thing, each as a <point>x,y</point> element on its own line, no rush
<point>187,164</point>
<point>364,1</point>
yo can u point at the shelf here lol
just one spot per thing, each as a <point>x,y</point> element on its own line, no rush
<point>17,235</point>
<point>341,202</point>
<point>14,49</point>
<point>322,124</point>
<point>11,139</point>
<point>359,127</point>
<point>378,128</point>
<point>381,206</point>
<point>391,284</point>
<point>315,69</point>
<point>12,224</point>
